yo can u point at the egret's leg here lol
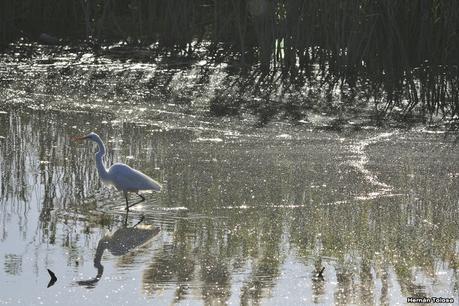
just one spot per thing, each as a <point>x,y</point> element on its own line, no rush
<point>142,198</point>
<point>127,203</point>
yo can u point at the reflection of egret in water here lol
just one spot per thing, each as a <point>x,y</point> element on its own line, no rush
<point>119,243</point>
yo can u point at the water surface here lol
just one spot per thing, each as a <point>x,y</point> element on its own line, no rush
<point>246,216</point>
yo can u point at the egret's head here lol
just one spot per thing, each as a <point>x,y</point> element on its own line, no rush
<point>91,136</point>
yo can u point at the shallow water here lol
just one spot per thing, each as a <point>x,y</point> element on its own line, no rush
<point>247,215</point>
<point>244,217</point>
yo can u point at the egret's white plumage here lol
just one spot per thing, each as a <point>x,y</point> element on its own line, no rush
<point>123,177</point>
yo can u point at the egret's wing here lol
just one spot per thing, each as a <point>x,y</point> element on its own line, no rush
<point>126,178</point>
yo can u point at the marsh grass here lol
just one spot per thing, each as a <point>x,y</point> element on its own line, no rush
<point>402,54</point>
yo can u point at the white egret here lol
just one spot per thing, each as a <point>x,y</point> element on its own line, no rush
<point>123,177</point>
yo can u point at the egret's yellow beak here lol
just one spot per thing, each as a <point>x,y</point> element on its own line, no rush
<point>79,138</point>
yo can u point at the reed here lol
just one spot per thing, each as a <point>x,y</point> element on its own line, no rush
<point>405,53</point>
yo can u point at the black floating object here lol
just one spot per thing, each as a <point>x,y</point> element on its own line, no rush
<point>320,275</point>
<point>53,278</point>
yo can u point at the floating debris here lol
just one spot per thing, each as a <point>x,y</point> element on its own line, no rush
<point>320,275</point>
<point>53,279</point>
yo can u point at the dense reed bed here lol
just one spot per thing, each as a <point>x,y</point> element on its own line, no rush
<point>399,54</point>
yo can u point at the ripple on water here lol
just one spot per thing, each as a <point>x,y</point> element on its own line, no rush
<point>151,209</point>
<point>360,162</point>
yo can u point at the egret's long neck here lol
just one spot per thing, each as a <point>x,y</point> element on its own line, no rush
<point>100,159</point>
